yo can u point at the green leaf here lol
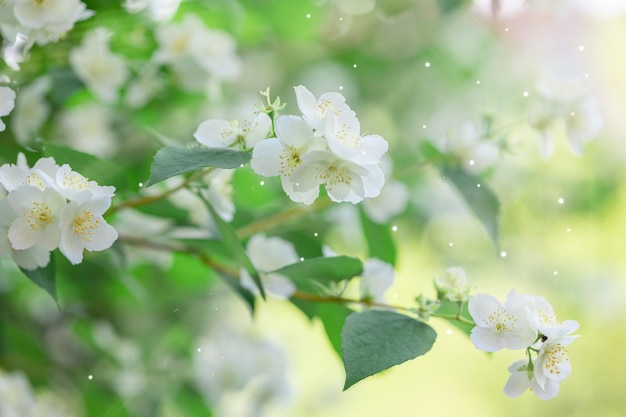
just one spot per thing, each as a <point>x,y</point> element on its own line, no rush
<point>375,340</point>
<point>450,308</point>
<point>45,277</point>
<point>311,275</point>
<point>230,240</point>
<point>379,239</point>
<point>481,200</point>
<point>171,161</point>
<point>333,317</point>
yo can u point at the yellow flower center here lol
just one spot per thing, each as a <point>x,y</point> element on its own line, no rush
<point>39,216</point>
<point>84,224</point>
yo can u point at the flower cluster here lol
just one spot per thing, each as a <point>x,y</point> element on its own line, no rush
<point>41,22</point>
<point>525,322</point>
<point>323,146</point>
<point>50,206</point>
<point>7,102</point>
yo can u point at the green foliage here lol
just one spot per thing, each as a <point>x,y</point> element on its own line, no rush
<point>479,197</point>
<point>45,277</point>
<point>375,340</point>
<point>87,165</point>
<point>313,275</point>
<point>379,239</point>
<point>171,161</point>
<point>229,238</point>
<point>449,6</point>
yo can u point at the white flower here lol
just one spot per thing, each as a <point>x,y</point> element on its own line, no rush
<point>220,193</point>
<point>567,101</point>
<point>391,201</point>
<point>87,128</point>
<point>332,118</point>
<point>217,133</point>
<point>7,102</point>
<point>521,380</point>
<point>103,71</point>
<point>281,155</point>
<point>31,110</point>
<point>234,369</point>
<point>314,110</point>
<point>500,325</point>
<point>269,254</point>
<point>32,258</point>
<point>550,368</point>
<point>76,187</point>
<point>542,318</point>
<point>465,142</point>
<point>190,42</point>
<point>44,21</point>
<point>453,284</point>
<point>82,227</point>
<point>41,175</point>
<point>344,180</point>
<point>38,217</point>
<point>376,279</point>
<point>16,396</point>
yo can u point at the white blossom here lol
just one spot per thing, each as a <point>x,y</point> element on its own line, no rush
<point>376,278</point>
<point>102,71</point>
<point>38,217</point>
<point>344,180</point>
<point>269,254</point>
<point>189,47</point>
<point>501,325</point>
<point>392,200</point>
<point>453,284</point>
<point>7,102</point>
<point>32,258</point>
<point>82,227</point>
<point>465,142</point>
<point>283,154</point>
<point>88,128</point>
<point>521,380</point>
<point>31,110</point>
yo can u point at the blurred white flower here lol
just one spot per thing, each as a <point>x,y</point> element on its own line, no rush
<point>102,71</point>
<point>269,254</point>
<point>7,102</point>
<point>16,396</point>
<point>567,101</point>
<point>190,46</point>
<point>87,128</point>
<point>82,227</point>
<point>220,192</point>
<point>376,279</point>
<point>145,86</point>
<point>216,133</point>
<point>392,200</point>
<point>453,284</point>
<point>239,374</point>
<point>465,142</point>
<point>501,325</point>
<point>31,110</point>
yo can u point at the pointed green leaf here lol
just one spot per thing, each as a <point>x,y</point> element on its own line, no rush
<point>480,199</point>
<point>313,274</point>
<point>375,340</point>
<point>379,239</point>
<point>45,277</point>
<point>229,238</point>
<point>171,161</point>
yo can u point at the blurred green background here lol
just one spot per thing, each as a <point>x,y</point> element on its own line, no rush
<point>409,69</point>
